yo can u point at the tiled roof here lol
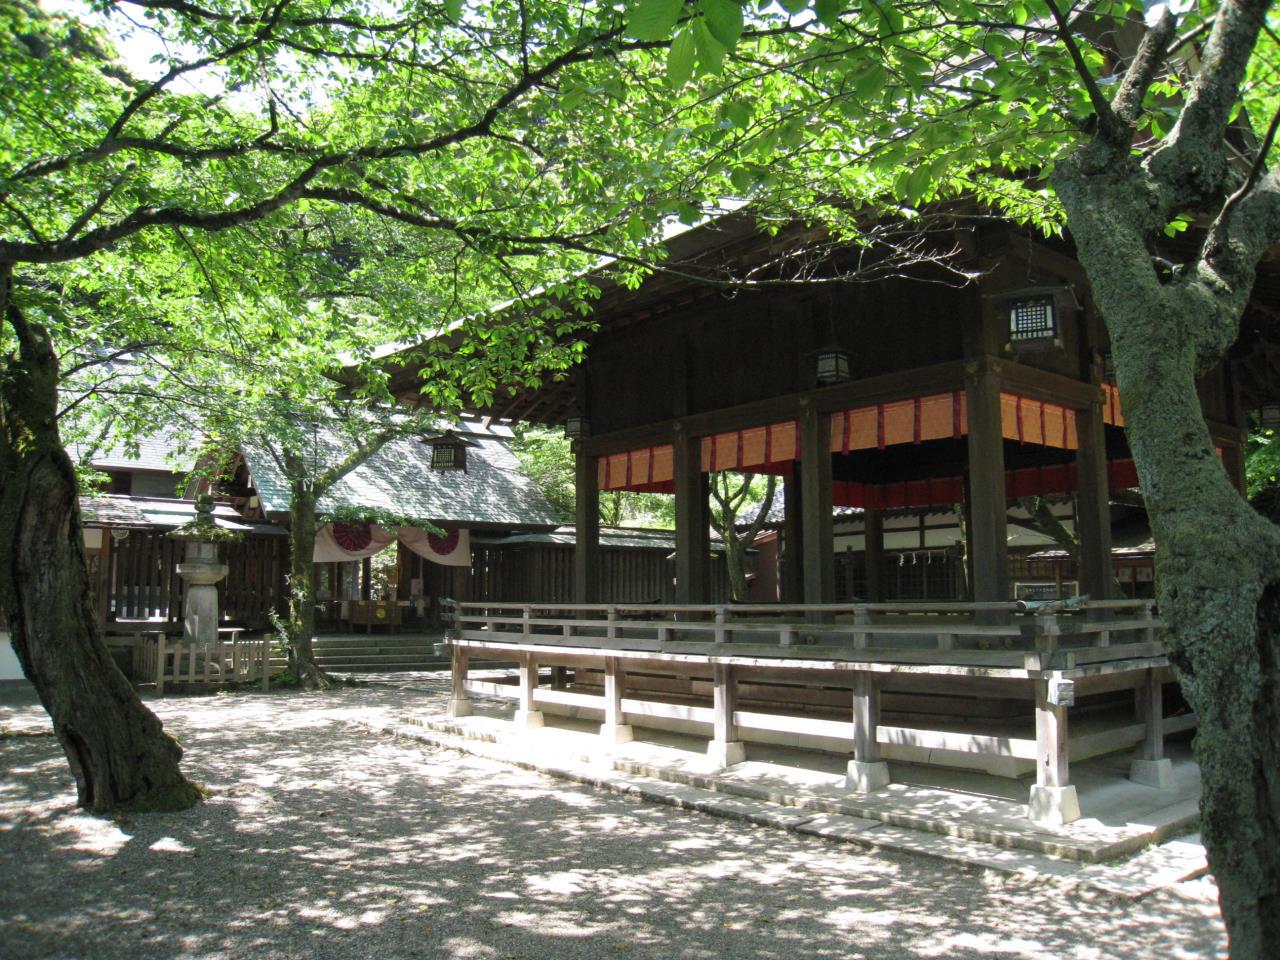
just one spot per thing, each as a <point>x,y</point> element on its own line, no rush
<point>399,479</point>
<point>115,510</point>
<point>632,537</point>
<point>164,450</point>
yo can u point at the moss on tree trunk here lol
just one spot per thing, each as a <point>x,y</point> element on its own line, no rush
<point>1218,561</point>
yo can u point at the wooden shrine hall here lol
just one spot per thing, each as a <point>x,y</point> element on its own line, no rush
<point>910,391</point>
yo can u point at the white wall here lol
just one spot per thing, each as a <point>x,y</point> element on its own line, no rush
<point>9,666</point>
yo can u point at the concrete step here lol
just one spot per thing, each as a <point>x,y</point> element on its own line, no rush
<point>379,650</point>
<point>389,659</point>
<point>425,665</point>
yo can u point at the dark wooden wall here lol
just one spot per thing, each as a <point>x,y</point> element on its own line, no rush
<point>142,582</point>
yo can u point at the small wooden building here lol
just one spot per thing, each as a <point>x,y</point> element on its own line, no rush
<point>911,393</point>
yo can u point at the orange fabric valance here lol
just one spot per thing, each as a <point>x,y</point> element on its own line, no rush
<point>774,447</point>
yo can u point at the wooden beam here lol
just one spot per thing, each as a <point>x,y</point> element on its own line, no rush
<point>815,483</point>
<point>988,532</point>
<point>791,555</point>
<point>586,550</point>
<point>693,541</point>
<point>873,555</point>
<point>1093,506</point>
<point>842,396</point>
<point>1039,384</point>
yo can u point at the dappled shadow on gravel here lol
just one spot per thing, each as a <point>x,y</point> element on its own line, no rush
<point>323,840</point>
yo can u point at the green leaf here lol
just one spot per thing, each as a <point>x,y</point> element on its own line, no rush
<point>724,20</point>
<point>869,82</point>
<point>738,113</point>
<point>453,9</point>
<point>710,50</point>
<point>680,59</point>
<point>741,179</point>
<point>653,19</point>
<point>829,11</point>
<point>794,6</point>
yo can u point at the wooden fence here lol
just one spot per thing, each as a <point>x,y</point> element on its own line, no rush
<point>166,661</point>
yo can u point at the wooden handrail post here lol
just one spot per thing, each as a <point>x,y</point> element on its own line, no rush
<point>265,660</point>
<point>725,749</point>
<point>459,703</point>
<point>721,633</point>
<point>160,666</point>
<point>614,729</point>
<point>528,714</point>
<point>611,631</point>
<point>526,614</point>
<point>1151,766</point>
<point>1053,799</point>
<point>866,771</point>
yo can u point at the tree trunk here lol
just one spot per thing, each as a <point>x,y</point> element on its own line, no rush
<point>1218,561</point>
<point>119,753</point>
<point>301,629</point>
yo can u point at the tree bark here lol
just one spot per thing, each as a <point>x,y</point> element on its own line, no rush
<point>1218,561</point>
<point>118,751</point>
<point>301,629</point>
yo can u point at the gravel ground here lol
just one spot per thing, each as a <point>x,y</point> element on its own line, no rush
<point>322,840</point>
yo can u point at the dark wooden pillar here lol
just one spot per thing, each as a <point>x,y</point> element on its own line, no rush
<point>693,543</point>
<point>586,551</point>
<point>815,507</point>
<point>873,555</point>
<point>1093,505</point>
<point>366,578</point>
<point>791,555</point>
<point>988,536</point>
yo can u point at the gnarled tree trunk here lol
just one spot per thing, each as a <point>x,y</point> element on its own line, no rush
<point>119,753</point>
<point>1218,561</point>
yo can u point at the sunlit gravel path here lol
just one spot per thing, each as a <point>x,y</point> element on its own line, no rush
<point>322,840</point>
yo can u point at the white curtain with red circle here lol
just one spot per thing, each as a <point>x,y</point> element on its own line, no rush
<point>452,550</point>
<point>336,542</point>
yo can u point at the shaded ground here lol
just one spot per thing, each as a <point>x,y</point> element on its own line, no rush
<point>322,840</point>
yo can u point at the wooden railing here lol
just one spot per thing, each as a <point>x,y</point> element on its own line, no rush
<point>1039,636</point>
<point>166,661</point>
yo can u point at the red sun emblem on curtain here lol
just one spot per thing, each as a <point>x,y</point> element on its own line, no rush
<point>443,545</point>
<point>352,538</point>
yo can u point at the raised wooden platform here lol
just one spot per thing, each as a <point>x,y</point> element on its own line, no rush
<point>979,685</point>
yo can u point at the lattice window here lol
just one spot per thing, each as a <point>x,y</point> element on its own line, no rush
<point>1032,319</point>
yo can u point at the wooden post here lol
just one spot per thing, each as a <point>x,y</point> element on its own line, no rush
<point>528,714</point>
<point>867,771</point>
<point>614,730</point>
<point>988,532</point>
<point>791,552</point>
<point>725,748</point>
<point>693,543</point>
<point>1053,799</point>
<point>160,665</point>
<point>1151,767</point>
<point>459,702</point>
<point>586,549</point>
<point>266,663</point>
<point>873,554</point>
<point>1093,510</point>
<point>815,498</point>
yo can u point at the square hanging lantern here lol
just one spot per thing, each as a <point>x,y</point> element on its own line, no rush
<point>1032,318</point>
<point>576,426</point>
<point>833,365</point>
<point>1269,416</point>
<point>448,451</point>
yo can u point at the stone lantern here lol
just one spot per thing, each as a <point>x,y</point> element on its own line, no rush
<point>201,571</point>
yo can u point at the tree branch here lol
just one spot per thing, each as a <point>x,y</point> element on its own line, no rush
<point>1142,70</point>
<point>1110,127</point>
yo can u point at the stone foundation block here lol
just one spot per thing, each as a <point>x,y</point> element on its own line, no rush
<point>864,777</point>
<point>1053,806</point>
